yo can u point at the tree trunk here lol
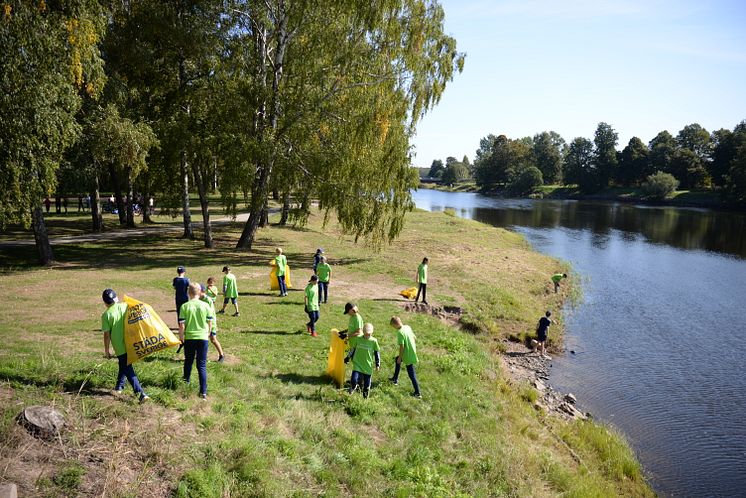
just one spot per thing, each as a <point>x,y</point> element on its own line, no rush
<point>146,208</point>
<point>130,202</point>
<point>264,219</point>
<point>97,218</point>
<point>275,194</point>
<point>118,199</point>
<point>204,203</point>
<point>258,195</point>
<point>188,231</point>
<point>285,209</point>
<point>46,256</point>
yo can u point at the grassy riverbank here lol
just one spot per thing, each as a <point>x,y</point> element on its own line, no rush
<point>273,424</point>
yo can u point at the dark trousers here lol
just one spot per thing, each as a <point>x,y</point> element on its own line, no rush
<point>412,376</point>
<point>423,290</point>
<point>360,379</point>
<point>198,348</point>
<point>313,317</point>
<point>178,307</point>
<point>323,291</point>
<point>126,372</point>
<point>281,282</point>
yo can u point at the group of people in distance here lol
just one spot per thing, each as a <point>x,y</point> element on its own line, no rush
<point>196,311</point>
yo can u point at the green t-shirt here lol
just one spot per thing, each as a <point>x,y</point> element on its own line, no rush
<point>212,292</point>
<point>312,295</point>
<point>355,323</point>
<point>557,277</point>
<point>112,321</point>
<point>422,273</point>
<point>196,315</point>
<point>324,271</point>
<point>229,285</point>
<point>406,337</point>
<point>364,359</point>
<point>210,301</point>
<point>281,261</point>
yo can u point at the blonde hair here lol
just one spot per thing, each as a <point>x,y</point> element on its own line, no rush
<point>368,329</point>
<point>194,290</point>
<point>278,250</point>
<point>395,320</point>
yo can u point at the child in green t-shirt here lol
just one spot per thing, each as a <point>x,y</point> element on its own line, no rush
<point>422,280</point>
<point>407,342</point>
<point>364,352</point>
<point>355,323</point>
<point>281,263</point>
<point>556,279</point>
<point>195,322</point>
<point>230,290</point>
<point>324,272</point>
<point>205,296</point>
<point>311,301</point>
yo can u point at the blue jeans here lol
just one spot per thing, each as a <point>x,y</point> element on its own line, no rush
<point>313,317</point>
<point>126,372</point>
<point>323,291</point>
<point>412,376</point>
<point>360,379</point>
<point>196,347</point>
<point>281,282</point>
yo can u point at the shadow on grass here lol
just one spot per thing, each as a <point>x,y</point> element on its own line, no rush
<point>390,299</point>
<point>270,332</point>
<point>296,378</point>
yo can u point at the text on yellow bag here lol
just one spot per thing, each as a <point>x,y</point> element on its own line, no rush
<point>145,332</point>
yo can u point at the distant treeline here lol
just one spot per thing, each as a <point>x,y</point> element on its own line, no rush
<point>696,158</point>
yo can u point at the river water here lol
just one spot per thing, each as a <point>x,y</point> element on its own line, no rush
<point>659,338</point>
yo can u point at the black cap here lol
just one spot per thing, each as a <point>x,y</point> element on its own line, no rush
<point>109,296</point>
<point>313,278</point>
<point>348,307</point>
<point>226,268</point>
<point>180,269</point>
<point>202,287</point>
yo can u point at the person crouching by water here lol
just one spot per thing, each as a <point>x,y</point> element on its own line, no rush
<point>311,301</point>
<point>364,351</point>
<point>195,321</point>
<point>541,335</point>
<point>112,325</point>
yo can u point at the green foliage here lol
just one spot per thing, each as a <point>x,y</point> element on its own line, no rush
<point>69,478</point>
<point>579,166</point>
<point>604,155</point>
<point>528,181</point>
<point>436,169</point>
<point>660,185</point>
<point>634,164</point>
<point>500,160</point>
<point>547,153</point>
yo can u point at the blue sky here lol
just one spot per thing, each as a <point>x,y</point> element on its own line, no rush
<point>566,65</point>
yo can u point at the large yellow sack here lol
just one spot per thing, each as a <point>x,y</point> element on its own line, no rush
<point>144,331</point>
<point>273,283</point>
<point>335,367</point>
<point>410,293</point>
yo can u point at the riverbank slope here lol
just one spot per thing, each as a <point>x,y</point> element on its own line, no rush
<point>273,424</point>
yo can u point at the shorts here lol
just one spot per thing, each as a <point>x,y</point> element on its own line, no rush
<point>231,299</point>
<point>541,336</point>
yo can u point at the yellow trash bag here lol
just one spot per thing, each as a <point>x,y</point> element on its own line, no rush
<point>273,283</point>
<point>410,293</point>
<point>144,331</point>
<point>336,364</point>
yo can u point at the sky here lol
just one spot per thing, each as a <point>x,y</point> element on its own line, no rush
<point>642,66</point>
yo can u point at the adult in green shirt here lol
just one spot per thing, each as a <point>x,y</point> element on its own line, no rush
<point>422,280</point>
<point>230,290</point>
<point>195,319</point>
<point>556,278</point>
<point>364,353</point>
<point>112,325</point>
<point>311,301</point>
<point>355,323</point>
<point>407,342</point>
<point>281,263</point>
<point>324,271</point>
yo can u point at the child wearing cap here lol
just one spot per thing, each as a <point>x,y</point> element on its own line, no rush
<point>317,259</point>
<point>112,325</point>
<point>180,284</point>
<point>324,272</point>
<point>311,301</point>
<point>230,290</point>
<point>355,323</point>
<point>422,280</point>
<point>204,296</point>
<point>195,321</point>
<point>407,342</point>
<point>364,352</point>
<point>281,262</point>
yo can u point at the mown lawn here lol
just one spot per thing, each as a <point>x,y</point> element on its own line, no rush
<point>274,425</point>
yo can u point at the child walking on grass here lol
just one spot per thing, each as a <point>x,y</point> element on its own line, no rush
<point>407,342</point>
<point>195,322</point>
<point>541,335</point>
<point>230,290</point>
<point>180,284</point>
<point>422,280</point>
<point>324,272</point>
<point>204,296</point>
<point>112,325</point>
<point>364,353</point>
<point>311,301</point>
<point>281,262</point>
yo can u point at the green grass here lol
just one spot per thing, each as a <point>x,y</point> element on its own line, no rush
<point>274,425</point>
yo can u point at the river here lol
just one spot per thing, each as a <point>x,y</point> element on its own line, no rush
<point>659,341</point>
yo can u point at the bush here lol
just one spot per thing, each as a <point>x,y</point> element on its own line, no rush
<point>660,185</point>
<point>528,181</point>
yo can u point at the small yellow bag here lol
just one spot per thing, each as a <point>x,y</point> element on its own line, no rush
<point>145,332</point>
<point>336,364</point>
<point>410,293</point>
<point>273,283</point>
